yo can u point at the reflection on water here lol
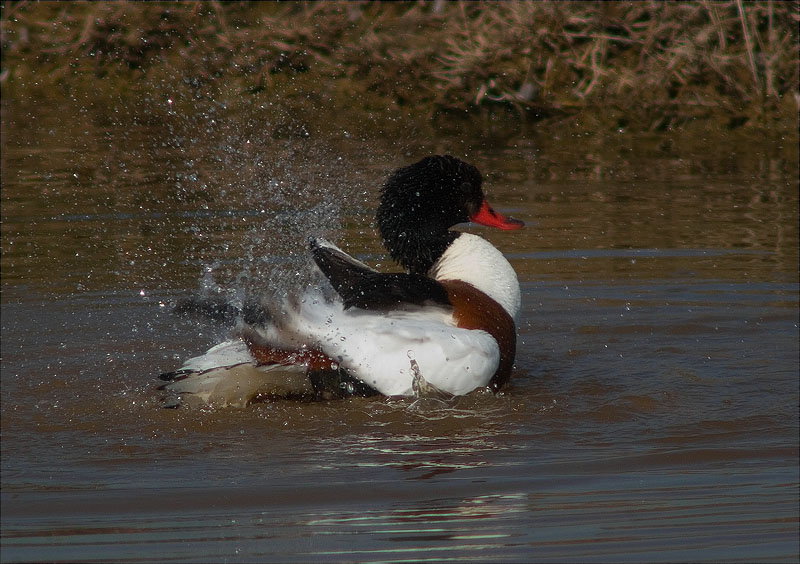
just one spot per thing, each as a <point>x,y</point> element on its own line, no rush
<point>652,413</point>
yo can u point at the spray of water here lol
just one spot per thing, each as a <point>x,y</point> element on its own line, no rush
<point>260,188</point>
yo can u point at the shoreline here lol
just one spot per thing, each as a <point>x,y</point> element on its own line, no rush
<point>633,66</point>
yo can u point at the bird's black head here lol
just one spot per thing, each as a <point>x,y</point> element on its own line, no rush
<point>420,202</point>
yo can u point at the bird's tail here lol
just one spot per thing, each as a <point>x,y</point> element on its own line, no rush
<point>228,374</point>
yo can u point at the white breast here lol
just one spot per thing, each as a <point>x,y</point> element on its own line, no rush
<point>475,261</point>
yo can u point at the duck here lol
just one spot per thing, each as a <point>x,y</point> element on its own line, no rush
<point>445,325</point>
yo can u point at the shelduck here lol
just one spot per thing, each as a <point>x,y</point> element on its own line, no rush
<point>445,325</point>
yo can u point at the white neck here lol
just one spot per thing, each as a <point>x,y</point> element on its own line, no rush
<point>474,260</point>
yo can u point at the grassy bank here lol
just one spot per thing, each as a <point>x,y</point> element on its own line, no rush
<point>642,65</point>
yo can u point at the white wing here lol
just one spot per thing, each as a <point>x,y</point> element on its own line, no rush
<point>378,347</point>
<point>227,375</point>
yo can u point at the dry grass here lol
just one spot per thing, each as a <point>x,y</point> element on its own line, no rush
<point>650,64</point>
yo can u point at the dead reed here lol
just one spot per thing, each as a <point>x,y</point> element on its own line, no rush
<point>652,65</point>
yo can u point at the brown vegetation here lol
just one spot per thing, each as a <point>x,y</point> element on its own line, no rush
<point>644,64</point>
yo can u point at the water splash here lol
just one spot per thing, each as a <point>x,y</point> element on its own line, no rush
<point>420,386</point>
<point>276,184</point>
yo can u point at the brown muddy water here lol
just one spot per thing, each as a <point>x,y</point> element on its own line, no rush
<point>653,412</point>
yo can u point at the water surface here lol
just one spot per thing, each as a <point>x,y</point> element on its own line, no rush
<point>652,414</point>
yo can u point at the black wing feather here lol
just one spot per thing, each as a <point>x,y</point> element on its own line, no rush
<point>360,286</point>
<point>219,310</point>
